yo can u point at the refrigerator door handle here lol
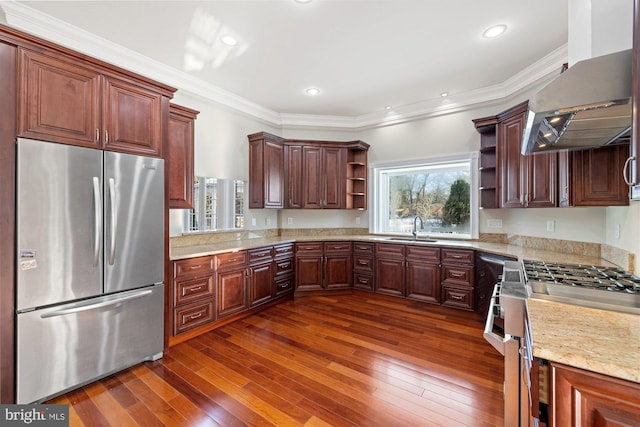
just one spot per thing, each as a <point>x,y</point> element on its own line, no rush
<point>83,306</point>
<point>97,203</point>
<point>112,203</point>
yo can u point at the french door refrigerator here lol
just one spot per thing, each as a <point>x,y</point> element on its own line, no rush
<point>90,241</point>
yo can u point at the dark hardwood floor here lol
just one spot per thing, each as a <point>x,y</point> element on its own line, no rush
<point>343,360</point>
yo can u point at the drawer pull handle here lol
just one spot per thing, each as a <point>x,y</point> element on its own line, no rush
<point>363,281</point>
<point>195,316</point>
<point>456,256</point>
<point>194,267</point>
<point>285,265</point>
<point>456,274</point>
<point>232,260</point>
<point>283,285</point>
<point>456,297</point>
<point>362,262</point>
<point>196,289</point>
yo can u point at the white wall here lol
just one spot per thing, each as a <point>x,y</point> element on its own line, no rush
<point>627,221</point>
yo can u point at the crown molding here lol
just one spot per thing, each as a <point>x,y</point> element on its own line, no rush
<point>25,18</point>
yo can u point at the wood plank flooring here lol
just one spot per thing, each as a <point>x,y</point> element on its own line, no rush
<point>344,360</point>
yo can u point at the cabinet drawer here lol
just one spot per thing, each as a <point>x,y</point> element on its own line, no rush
<point>423,253</point>
<point>363,262</point>
<point>389,250</point>
<point>284,266</point>
<point>260,255</point>
<point>337,247</point>
<point>460,256</point>
<point>308,247</point>
<point>458,297</point>
<point>192,267</point>
<point>191,290</point>
<point>363,281</point>
<point>283,250</point>
<point>457,274</point>
<point>193,315</point>
<point>284,285</point>
<point>365,248</point>
<point>231,259</point>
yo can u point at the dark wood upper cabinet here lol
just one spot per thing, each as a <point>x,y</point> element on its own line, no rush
<point>180,156</point>
<point>101,108</point>
<point>313,175</point>
<point>487,167</point>
<point>266,171</point>
<point>46,83</point>
<point>132,118</point>
<point>323,177</point>
<point>293,181</point>
<point>596,177</point>
<point>525,181</point>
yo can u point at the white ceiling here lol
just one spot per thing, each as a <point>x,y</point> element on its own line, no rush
<point>362,54</point>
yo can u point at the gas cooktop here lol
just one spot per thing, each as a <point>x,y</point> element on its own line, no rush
<point>610,286</point>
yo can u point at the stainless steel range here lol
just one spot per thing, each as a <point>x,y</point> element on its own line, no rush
<point>607,288</point>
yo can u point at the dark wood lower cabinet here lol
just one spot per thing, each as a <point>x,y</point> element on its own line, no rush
<point>232,291</point>
<point>423,281</point>
<point>260,283</point>
<point>585,399</point>
<point>390,276</point>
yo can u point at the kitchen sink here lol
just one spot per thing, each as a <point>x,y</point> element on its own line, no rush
<point>411,239</point>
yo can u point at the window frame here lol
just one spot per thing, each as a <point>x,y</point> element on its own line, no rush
<point>377,188</point>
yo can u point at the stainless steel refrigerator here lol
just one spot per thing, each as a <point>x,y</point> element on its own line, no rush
<point>90,245</point>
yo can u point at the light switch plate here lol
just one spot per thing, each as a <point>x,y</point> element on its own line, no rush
<point>551,226</point>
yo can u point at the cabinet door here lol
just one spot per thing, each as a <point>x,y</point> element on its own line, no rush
<point>423,281</point>
<point>541,186</point>
<point>338,271</point>
<point>309,273</point>
<point>583,398</point>
<point>389,276</point>
<point>334,178</point>
<point>261,283</point>
<point>293,185</point>
<point>132,118</point>
<point>312,179</point>
<point>232,291</point>
<point>510,163</point>
<point>273,174</point>
<point>597,177</point>
<point>46,84</point>
<point>181,139</point>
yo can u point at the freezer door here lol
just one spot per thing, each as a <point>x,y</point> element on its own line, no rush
<point>59,214</point>
<point>63,347</point>
<point>134,221</point>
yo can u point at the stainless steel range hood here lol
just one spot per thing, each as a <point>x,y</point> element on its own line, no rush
<point>589,105</point>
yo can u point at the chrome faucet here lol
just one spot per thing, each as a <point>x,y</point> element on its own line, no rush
<point>415,226</point>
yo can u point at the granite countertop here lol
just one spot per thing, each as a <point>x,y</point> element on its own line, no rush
<point>603,341</point>
<point>497,248</point>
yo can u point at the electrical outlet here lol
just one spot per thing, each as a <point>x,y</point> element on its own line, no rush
<point>357,220</point>
<point>494,223</point>
<point>254,222</point>
<point>267,221</point>
<point>289,221</point>
<point>551,226</point>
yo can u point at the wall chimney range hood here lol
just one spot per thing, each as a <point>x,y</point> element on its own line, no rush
<point>589,105</point>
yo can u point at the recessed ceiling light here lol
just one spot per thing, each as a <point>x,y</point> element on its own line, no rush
<point>312,91</point>
<point>444,94</point>
<point>229,40</point>
<point>302,1</point>
<point>495,31</point>
<point>387,107</point>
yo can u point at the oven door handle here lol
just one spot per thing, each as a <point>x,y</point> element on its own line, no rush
<point>494,339</point>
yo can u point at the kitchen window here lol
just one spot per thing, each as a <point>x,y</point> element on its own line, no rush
<point>441,191</point>
<point>218,204</point>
